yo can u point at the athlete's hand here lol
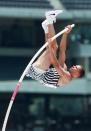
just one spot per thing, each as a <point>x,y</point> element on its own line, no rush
<point>69,29</point>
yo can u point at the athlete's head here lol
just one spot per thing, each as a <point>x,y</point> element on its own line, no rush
<point>77,71</point>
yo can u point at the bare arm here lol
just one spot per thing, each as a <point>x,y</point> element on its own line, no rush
<point>63,46</point>
<point>55,62</point>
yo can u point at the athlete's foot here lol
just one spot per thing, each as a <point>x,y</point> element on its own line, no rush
<point>51,15</point>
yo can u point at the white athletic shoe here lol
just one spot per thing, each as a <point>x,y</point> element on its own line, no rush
<point>51,15</point>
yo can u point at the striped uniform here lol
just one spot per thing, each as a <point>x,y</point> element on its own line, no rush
<point>49,77</point>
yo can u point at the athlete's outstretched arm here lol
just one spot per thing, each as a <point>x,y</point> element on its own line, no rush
<point>61,71</point>
<point>63,46</point>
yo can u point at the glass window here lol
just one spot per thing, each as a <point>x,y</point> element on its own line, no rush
<point>16,33</point>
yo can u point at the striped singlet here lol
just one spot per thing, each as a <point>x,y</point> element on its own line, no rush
<point>49,77</point>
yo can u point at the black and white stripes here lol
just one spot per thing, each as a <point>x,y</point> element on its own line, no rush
<point>49,77</point>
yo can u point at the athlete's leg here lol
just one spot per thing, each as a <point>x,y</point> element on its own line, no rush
<point>43,62</point>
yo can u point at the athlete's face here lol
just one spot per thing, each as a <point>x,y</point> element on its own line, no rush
<point>75,71</point>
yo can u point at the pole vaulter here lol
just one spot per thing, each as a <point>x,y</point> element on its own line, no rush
<point>23,75</point>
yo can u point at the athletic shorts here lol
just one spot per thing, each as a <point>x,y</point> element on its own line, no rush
<point>48,78</point>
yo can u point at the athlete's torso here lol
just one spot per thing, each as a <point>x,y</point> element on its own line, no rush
<point>51,77</point>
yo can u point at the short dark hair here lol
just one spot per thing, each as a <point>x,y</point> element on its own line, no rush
<point>82,73</point>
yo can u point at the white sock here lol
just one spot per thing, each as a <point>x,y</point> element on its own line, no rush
<point>44,26</point>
